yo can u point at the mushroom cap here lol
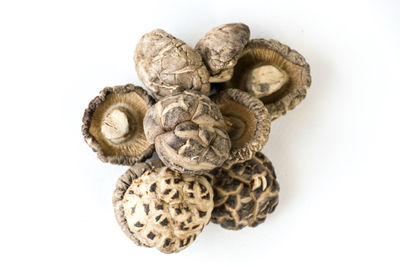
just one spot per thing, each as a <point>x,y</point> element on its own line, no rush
<point>122,186</point>
<point>188,132</point>
<point>220,49</point>
<point>282,73</point>
<point>113,125</point>
<point>244,193</point>
<point>248,122</point>
<point>168,66</point>
<point>157,207</point>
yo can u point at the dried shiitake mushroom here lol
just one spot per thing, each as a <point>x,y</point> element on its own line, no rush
<point>273,72</point>
<point>247,122</point>
<point>220,49</point>
<point>157,207</point>
<point>189,132</point>
<point>168,66</point>
<point>113,125</point>
<point>244,193</point>
<point>122,186</point>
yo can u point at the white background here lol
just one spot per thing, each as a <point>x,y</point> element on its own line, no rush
<point>336,155</point>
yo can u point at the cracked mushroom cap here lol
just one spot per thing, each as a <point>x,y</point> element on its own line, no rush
<point>247,121</point>
<point>189,133</point>
<point>273,72</point>
<point>157,207</point>
<point>221,47</point>
<point>168,66</point>
<point>113,125</point>
<point>244,193</point>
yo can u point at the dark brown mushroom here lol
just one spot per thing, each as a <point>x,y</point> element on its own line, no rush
<point>157,207</point>
<point>247,122</point>
<point>113,125</point>
<point>188,132</point>
<point>221,47</point>
<point>273,72</point>
<point>168,66</point>
<point>244,193</point>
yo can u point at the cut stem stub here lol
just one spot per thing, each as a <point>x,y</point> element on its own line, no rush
<point>113,125</point>
<point>116,127</point>
<point>265,80</point>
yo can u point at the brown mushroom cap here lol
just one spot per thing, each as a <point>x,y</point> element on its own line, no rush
<point>168,66</point>
<point>244,193</point>
<point>247,121</point>
<point>157,207</point>
<point>273,72</point>
<point>188,132</point>
<point>221,47</point>
<point>113,125</point>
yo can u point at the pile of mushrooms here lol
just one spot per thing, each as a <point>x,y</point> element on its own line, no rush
<point>207,120</point>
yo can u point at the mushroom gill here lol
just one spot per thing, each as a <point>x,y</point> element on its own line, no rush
<point>113,124</point>
<point>247,122</point>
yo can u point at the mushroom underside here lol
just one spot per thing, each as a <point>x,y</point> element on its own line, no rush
<point>240,122</point>
<point>255,68</point>
<point>116,125</point>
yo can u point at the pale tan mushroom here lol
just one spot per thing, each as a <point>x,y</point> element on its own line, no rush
<point>157,207</point>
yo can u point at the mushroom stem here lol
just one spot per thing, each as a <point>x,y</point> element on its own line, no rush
<point>115,125</point>
<point>234,126</point>
<point>228,124</point>
<point>266,80</point>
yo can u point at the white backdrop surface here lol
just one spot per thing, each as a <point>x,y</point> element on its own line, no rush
<point>336,155</point>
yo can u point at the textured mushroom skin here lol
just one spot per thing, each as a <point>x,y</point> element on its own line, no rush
<point>259,122</point>
<point>188,132</point>
<point>244,193</point>
<point>295,90</point>
<point>168,66</point>
<point>220,49</point>
<point>160,208</point>
<point>122,186</point>
<point>96,145</point>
